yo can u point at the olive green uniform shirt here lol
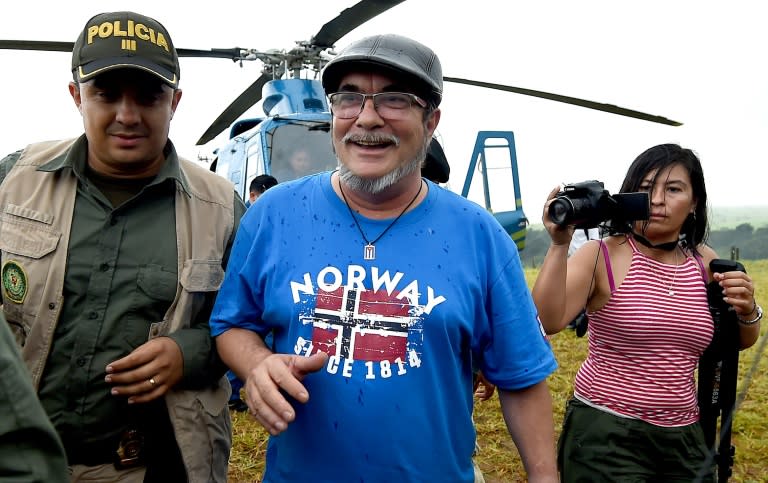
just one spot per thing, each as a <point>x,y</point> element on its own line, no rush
<point>30,449</point>
<point>121,277</point>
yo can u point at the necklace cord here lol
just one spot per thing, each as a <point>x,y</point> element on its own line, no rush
<point>357,223</point>
<point>672,279</point>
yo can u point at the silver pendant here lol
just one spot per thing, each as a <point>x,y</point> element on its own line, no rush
<point>369,252</point>
<point>671,292</point>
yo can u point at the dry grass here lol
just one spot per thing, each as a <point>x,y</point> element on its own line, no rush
<point>498,457</point>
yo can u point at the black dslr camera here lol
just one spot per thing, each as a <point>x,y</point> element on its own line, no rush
<point>587,204</point>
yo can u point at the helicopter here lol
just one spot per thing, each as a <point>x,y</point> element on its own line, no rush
<point>296,112</point>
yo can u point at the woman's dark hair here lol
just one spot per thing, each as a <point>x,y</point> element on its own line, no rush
<point>695,229</point>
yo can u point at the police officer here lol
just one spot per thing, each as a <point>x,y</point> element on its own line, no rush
<point>113,249</point>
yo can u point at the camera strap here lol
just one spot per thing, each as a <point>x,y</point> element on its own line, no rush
<point>667,247</point>
<point>581,322</point>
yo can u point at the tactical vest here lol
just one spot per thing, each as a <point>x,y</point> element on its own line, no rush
<point>36,209</point>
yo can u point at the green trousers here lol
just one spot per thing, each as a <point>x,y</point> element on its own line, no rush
<point>596,446</point>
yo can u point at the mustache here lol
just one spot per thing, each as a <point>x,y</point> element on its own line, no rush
<point>370,138</point>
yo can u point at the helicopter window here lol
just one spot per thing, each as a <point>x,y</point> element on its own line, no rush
<point>313,104</point>
<point>242,126</point>
<point>222,163</point>
<point>255,164</point>
<point>300,149</point>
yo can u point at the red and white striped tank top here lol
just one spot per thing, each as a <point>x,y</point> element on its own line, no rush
<point>644,344</point>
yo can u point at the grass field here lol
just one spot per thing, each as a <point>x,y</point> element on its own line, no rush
<point>498,456</point>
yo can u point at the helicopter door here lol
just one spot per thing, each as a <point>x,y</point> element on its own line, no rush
<point>231,163</point>
<point>254,162</point>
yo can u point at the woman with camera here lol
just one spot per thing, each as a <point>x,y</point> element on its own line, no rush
<point>634,414</point>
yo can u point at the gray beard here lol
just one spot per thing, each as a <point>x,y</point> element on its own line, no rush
<point>375,186</point>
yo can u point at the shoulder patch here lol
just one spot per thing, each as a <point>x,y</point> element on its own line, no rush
<point>14,282</point>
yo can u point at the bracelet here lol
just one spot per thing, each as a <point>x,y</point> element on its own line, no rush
<point>754,306</point>
<point>756,319</point>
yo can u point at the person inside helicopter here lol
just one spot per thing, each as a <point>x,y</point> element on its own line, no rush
<point>297,152</point>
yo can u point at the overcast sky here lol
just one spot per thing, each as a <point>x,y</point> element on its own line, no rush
<point>696,61</point>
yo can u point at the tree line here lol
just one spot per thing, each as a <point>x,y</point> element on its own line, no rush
<point>743,242</point>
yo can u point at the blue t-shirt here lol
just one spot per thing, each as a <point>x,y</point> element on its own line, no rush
<point>446,293</point>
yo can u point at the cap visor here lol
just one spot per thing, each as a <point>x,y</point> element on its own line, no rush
<point>92,69</point>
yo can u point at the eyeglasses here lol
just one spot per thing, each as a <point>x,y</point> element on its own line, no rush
<point>389,105</point>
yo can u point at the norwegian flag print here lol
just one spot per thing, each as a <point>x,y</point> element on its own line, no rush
<point>361,325</point>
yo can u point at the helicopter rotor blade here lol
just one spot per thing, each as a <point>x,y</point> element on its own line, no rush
<point>235,53</point>
<point>244,101</point>
<point>621,111</point>
<point>51,46</point>
<point>349,19</point>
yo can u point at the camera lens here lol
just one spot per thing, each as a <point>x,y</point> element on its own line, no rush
<point>561,210</point>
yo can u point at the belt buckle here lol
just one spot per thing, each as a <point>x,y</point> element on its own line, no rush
<point>130,451</point>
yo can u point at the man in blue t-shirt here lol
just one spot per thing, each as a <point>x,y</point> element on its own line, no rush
<point>383,293</point>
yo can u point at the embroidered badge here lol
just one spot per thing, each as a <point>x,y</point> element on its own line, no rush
<point>14,282</point>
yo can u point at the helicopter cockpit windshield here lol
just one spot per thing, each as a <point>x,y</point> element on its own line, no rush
<point>300,148</point>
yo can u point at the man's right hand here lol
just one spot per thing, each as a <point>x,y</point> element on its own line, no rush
<point>275,373</point>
